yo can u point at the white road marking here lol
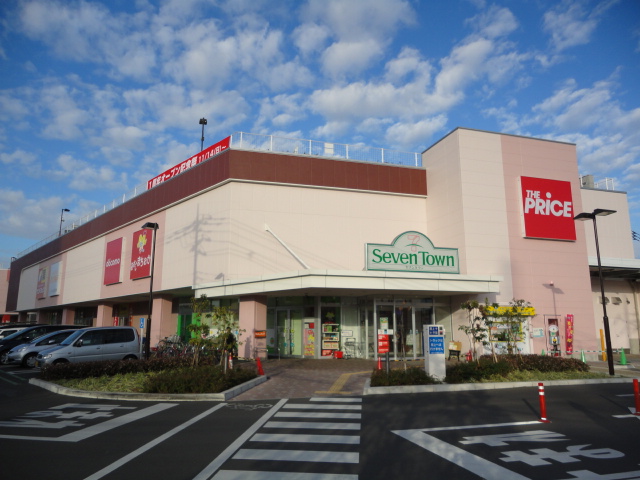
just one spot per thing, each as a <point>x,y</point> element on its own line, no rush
<point>337,399</point>
<point>481,467</point>
<point>99,428</point>
<point>226,454</point>
<point>318,425</point>
<point>110,468</point>
<point>297,456</point>
<point>249,475</point>
<point>295,438</point>
<point>309,406</point>
<point>352,416</point>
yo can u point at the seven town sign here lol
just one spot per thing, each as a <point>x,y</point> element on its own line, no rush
<point>547,209</point>
<point>411,251</point>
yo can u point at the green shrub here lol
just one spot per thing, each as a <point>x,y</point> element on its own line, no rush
<point>201,379</point>
<point>410,376</point>
<point>476,371</point>
<point>485,369</point>
<point>110,368</point>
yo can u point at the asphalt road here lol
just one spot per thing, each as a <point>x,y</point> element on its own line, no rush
<point>494,434</point>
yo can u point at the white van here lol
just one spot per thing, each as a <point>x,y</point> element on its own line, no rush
<point>94,344</point>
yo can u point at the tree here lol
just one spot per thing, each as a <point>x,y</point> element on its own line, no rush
<point>513,318</point>
<point>476,329</point>
<point>223,321</point>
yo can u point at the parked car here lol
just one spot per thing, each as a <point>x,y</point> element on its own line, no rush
<point>7,329</point>
<point>93,344</point>
<point>25,335</point>
<point>25,354</point>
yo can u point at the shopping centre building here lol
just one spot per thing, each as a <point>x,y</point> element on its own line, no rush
<point>318,247</point>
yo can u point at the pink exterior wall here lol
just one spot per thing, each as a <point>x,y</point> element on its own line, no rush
<point>474,204</point>
<point>535,264</point>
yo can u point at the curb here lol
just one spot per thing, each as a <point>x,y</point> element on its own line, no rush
<point>185,397</point>
<point>462,387</point>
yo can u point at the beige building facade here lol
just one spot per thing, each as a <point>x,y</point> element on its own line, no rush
<point>318,248</point>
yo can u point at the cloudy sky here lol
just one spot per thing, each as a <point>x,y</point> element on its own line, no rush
<point>97,97</point>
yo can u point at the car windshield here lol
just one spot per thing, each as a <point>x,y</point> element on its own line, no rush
<point>71,338</point>
<point>42,337</point>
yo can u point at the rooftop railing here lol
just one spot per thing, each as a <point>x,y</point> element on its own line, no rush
<point>264,143</point>
<point>342,151</point>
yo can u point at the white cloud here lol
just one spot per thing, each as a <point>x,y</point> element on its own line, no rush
<point>570,24</point>
<point>405,135</point>
<point>350,58</point>
<point>310,37</point>
<point>18,157</point>
<point>494,22</point>
<point>83,176</point>
<point>408,65</point>
<point>280,111</point>
<point>22,216</point>
<point>66,117</point>
<point>361,30</point>
<point>73,31</point>
<point>355,20</point>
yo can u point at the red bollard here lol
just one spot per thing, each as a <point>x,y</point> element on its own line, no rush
<point>636,394</point>
<point>543,404</point>
<point>379,363</point>
<point>259,365</point>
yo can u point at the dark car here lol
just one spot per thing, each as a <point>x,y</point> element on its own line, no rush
<point>24,336</point>
<point>7,329</point>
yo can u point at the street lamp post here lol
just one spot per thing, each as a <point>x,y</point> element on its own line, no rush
<point>147,349</point>
<point>61,219</point>
<point>601,212</point>
<point>203,122</point>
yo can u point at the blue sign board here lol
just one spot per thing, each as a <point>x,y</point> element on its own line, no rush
<point>436,345</point>
<point>433,330</point>
<point>142,323</point>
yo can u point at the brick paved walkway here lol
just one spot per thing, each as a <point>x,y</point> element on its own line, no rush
<point>304,378</point>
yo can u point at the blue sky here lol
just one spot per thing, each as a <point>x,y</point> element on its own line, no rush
<point>97,97</point>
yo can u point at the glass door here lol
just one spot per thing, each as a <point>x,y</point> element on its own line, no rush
<point>289,331</point>
<point>423,316</point>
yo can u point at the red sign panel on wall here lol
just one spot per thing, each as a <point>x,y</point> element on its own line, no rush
<point>141,254</point>
<point>547,208</point>
<point>42,283</point>
<point>569,333</point>
<point>112,261</point>
<point>207,153</point>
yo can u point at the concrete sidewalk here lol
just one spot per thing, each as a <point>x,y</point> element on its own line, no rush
<point>305,378</point>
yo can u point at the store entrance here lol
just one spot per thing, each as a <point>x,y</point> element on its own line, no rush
<point>289,331</point>
<point>406,318</point>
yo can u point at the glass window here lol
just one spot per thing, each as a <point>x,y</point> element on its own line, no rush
<point>95,337</point>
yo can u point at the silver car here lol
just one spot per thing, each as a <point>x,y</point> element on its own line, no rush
<point>26,353</point>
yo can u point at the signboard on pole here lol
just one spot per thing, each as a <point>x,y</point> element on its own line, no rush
<point>434,363</point>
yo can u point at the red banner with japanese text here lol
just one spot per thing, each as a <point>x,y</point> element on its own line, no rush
<point>205,154</point>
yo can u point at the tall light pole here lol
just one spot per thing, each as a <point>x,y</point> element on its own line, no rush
<point>61,219</point>
<point>147,349</point>
<point>601,212</point>
<point>203,122</point>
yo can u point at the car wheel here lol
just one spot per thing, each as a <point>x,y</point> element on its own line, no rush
<point>29,360</point>
<point>130,357</point>
<point>4,357</point>
<point>60,360</point>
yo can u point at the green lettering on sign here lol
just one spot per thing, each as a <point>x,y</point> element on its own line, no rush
<point>411,251</point>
